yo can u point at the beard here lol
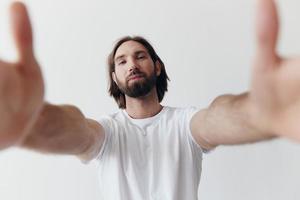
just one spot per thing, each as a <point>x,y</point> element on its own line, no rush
<point>139,88</point>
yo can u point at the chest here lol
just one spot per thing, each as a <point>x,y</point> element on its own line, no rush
<point>153,145</point>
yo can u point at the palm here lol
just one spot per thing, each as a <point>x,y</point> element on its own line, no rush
<point>275,81</point>
<point>21,84</point>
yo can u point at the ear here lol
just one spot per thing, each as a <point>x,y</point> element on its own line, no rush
<point>157,68</point>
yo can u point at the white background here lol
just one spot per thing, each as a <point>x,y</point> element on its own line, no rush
<point>207,47</point>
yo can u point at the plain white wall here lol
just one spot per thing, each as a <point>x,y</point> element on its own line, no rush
<point>207,46</point>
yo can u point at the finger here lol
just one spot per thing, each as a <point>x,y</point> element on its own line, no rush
<point>22,31</point>
<point>267,28</point>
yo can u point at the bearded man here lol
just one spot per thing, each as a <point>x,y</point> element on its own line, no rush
<point>146,150</point>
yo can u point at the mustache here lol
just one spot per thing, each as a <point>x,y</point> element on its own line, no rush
<point>135,72</point>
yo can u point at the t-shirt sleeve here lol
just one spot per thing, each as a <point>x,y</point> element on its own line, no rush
<point>106,123</point>
<point>189,113</point>
<point>97,154</point>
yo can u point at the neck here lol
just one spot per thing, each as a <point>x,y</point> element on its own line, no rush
<point>143,107</point>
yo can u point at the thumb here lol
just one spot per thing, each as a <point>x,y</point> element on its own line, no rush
<point>267,28</point>
<point>22,31</point>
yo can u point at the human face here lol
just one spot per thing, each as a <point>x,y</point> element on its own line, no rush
<point>135,72</point>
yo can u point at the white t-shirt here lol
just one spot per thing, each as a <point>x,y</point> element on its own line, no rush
<point>149,159</point>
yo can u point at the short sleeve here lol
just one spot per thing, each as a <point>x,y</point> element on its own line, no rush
<point>189,113</point>
<point>106,123</point>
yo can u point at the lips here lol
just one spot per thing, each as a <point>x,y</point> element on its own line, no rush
<point>135,77</point>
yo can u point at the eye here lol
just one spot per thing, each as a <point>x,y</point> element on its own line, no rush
<point>122,62</point>
<point>141,57</point>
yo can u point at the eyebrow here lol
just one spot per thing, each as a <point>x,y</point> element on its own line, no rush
<point>135,53</point>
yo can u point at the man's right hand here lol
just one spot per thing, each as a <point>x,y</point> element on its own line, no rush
<point>21,83</point>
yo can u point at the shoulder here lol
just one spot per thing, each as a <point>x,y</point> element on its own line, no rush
<point>111,117</point>
<point>181,111</point>
<point>112,120</point>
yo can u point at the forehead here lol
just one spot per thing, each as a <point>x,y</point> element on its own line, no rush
<point>129,47</point>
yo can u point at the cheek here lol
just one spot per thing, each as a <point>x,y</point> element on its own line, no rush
<point>148,66</point>
<point>120,75</point>
<point>151,69</point>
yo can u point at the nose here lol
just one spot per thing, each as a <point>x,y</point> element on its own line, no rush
<point>132,64</point>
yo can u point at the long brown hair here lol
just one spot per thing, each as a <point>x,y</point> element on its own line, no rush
<point>162,79</point>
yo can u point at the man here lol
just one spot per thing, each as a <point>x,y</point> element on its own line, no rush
<point>146,150</point>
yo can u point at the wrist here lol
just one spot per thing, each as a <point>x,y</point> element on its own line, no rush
<point>257,118</point>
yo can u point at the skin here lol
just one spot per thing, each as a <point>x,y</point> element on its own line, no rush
<point>270,108</point>
<point>275,80</point>
<point>21,83</point>
<point>28,121</point>
<point>272,105</point>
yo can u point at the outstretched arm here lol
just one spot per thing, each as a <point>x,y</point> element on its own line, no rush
<point>64,130</point>
<point>228,120</point>
<point>272,106</point>
<point>26,120</point>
